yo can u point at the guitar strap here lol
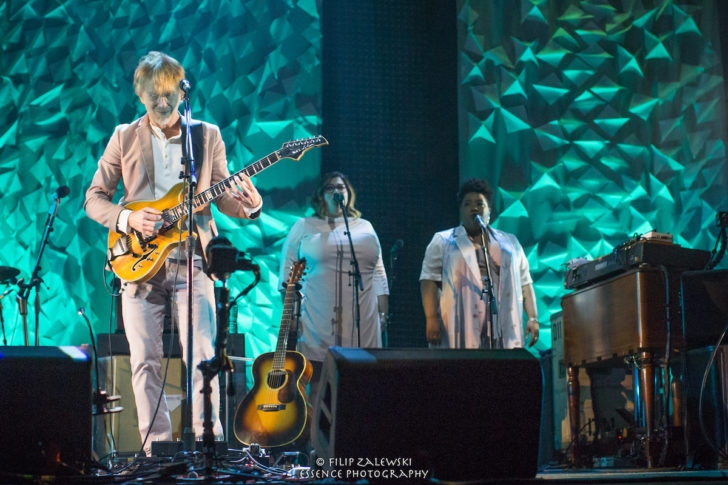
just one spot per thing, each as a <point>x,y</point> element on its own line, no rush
<point>197,144</point>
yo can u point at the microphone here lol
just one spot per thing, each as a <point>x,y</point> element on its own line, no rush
<point>185,86</point>
<point>482,223</point>
<point>339,199</point>
<point>61,192</point>
<point>7,292</point>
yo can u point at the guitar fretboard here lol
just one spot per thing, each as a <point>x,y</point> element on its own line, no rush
<point>180,210</point>
<point>279,358</point>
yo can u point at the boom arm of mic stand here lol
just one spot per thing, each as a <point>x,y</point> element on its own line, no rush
<point>35,280</point>
<point>256,272</point>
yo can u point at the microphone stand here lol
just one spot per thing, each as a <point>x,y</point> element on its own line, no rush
<point>487,294</point>
<point>358,283</point>
<point>393,258</point>
<point>2,320</point>
<point>35,280</point>
<point>221,362</point>
<point>188,435</point>
<point>222,259</point>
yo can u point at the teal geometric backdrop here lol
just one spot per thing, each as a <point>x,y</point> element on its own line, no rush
<point>596,120</point>
<point>66,81</point>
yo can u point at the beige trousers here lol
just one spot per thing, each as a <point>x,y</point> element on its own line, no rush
<point>143,307</point>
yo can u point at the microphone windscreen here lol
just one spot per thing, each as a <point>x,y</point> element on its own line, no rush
<point>338,197</point>
<point>62,191</point>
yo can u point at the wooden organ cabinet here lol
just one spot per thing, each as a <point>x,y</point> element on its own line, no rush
<point>632,316</point>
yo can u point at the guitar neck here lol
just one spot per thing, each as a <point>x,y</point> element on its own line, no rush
<point>223,186</point>
<point>215,191</point>
<point>289,301</point>
<point>293,149</point>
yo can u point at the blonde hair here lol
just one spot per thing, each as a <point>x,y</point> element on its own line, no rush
<point>319,204</point>
<point>163,71</point>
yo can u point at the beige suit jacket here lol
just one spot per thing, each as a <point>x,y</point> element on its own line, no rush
<point>129,157</point>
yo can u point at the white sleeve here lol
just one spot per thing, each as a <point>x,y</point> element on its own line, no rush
<point>250,211</point>
<point>379,278</point>
<point>122,224</point>
<point>523,266</point>
<point>432,263</point>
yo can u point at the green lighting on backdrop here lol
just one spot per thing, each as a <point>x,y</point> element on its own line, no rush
<point>596,120</point>
<point>67,81</point>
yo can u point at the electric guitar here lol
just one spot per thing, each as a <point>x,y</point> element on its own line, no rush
<point>133,257</point>
<point>275,412</point>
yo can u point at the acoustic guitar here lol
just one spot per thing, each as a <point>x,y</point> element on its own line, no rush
<point>275,412</point>
<point>133,257</point>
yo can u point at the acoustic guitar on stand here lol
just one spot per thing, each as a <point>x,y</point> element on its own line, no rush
<point>133,257</point>
<point>275,412</point>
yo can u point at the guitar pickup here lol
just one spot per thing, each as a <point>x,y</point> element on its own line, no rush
<point>271,407</point>
<point>120,248</point>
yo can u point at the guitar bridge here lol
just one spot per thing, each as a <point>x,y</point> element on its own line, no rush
<point>271,407</point>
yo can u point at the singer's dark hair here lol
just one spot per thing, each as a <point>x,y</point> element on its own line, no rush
<point>319,204</point>
<point>479,186</point>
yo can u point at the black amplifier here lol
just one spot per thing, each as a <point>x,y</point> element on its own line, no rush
<point>632,254</point>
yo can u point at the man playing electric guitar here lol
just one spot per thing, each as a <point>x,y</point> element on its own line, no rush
<point>146,155</point>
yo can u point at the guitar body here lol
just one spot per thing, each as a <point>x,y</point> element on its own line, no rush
<point>144,257</point>
<point>275,411</point>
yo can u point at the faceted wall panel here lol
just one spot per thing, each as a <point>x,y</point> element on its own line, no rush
<point>66,81</point>
<point>596,120</point>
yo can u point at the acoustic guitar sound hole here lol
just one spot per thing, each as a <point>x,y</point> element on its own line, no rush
<point>276,378</point>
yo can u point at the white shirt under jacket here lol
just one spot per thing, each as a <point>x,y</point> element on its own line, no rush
<point>450,258</point>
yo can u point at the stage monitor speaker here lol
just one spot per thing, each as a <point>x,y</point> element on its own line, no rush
<point>120,432</point>
<point>45,410</point>
<point>457,414</point>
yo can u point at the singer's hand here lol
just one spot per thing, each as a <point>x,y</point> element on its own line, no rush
<point>433,331</point>
<point>146,220</point>
<point>246,194</point>
<point>532,331</point>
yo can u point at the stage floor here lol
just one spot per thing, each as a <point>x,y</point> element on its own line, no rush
<point>606,476</point>
<point>241,470</point>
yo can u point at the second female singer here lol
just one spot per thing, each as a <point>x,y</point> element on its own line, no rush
<point>328,306</point>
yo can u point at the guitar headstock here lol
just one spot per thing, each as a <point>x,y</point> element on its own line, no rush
<point>296,148</point>
<point>297,271</point>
